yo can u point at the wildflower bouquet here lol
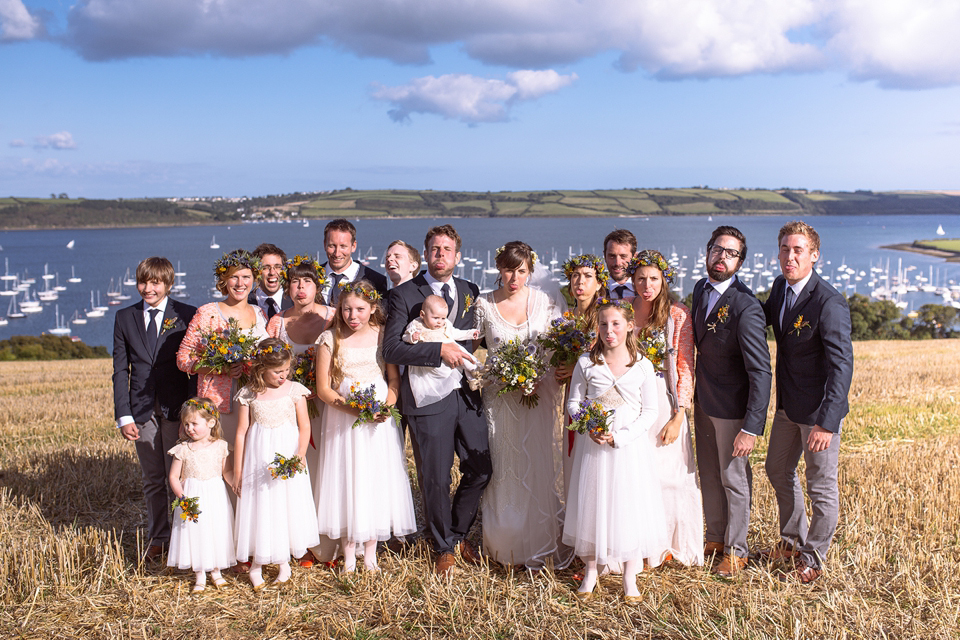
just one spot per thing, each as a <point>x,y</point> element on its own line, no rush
<point>568,338</point>
<point>591,418</point>
<point>189,508</point>
<point>365,399</point>
<point>305,372</point>
<point>653,345</point>
<point>285,468</point>
<point>515,366</point>
<point>224,347</point>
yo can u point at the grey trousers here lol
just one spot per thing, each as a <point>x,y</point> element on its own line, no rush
<point>157,436</point>
<point>788,441</point>
<point>726,482</point>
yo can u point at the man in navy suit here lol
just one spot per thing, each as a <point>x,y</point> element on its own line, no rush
<point>811,323</point>
<point>339,242</point>
<point>148,388</point>
<point>455,423</point>
<point>730,397</point>
<point>269,294</point>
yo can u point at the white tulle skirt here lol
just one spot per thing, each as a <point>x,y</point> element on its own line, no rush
<point>273,515</point>
<point>207,544</point>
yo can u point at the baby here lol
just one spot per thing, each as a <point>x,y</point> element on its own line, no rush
<point>432,384</point>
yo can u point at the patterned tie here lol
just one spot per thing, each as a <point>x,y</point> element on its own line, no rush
<point>445,290</point>
<point>335,289</point>
<point>271,308</point>
<point>152,330</point>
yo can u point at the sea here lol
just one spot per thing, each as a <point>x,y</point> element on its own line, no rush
<point>82,264</point>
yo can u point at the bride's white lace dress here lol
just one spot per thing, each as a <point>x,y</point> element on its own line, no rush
<point>522,508</point>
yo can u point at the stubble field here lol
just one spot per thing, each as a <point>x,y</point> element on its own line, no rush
<point>71,513</point>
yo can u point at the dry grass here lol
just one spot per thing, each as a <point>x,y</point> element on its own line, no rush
<point>70,512</point>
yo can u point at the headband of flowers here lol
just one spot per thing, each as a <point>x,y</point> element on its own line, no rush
<point>370,294</point>
<point>241,259</point>
<point>619,303</point>
<point>533,254</point>
<point>587,260</point>
<point>203,405</point>
<point>279,347</point>
<point>651,258</point>
<point>299,260</point>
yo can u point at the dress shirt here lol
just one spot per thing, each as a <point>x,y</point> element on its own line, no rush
<point>628,291</point>
<point>797,288</point>
<point>262,300</point>
<point>437,287</point>
<point>350,274</point>
<point>719,288</point>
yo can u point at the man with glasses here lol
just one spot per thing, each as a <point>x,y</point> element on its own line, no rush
<point>730,397</point>
<point>269,293</point>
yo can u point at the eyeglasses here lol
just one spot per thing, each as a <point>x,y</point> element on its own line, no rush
<point>269,267</point>
<point>716,250</point>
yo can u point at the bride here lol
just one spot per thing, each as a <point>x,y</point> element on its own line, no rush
<point>522,511</point>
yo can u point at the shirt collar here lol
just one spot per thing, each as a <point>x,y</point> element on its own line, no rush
<point>263,295</point>
<point>162,307</point>
<point>721,287</point>
<point>350,272</point>
<point>798,287</point>
<point>435,284</point>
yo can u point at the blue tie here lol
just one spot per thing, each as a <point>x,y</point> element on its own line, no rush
<point>152,330</point>
<point>445,289</point>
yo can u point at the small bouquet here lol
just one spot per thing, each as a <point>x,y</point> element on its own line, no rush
<point>305,372</point>
<point>590,418</point>
<point>568,337</point>
<point>365,399</point>
<point>189,508</point>
<point>224,347</point>
<point>515,366</point>
<point>653,345</point>
<point>286,468</point>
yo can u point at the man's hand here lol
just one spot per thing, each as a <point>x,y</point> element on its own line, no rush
<point>819,439</point>
<point>451,354</point>
<point>743,444</point>
<point>130,431</point>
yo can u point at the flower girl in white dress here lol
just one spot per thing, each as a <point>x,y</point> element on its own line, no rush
<point>272,520</point>
<point>205,544</point>
<point>615,510</point>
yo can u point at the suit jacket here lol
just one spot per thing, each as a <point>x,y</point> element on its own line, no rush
<point>285,302</point>
<point>142,379</point>
<point>377,279</point>
<point>814,353</point>
<point>733,361</point>
<point>403,305</point>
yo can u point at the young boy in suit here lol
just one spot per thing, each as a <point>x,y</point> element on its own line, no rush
<point>148,388</point>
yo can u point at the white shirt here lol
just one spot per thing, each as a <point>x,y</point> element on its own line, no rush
<point>161,307</point>
<point>797,288</point>
<point>350,272</point>
<point>628,292</point>
<point>262,299</point>
<point>719,288</point>
<point>437,287</point>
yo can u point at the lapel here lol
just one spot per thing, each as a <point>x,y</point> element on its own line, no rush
<point>423,286</point>
<point>169,314</point>
<point>141,329</point>
<point>778,296</point>
<point>463,290</point>
<point>360,272</point>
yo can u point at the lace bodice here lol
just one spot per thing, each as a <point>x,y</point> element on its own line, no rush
<point>611,399</point>
<point>275,412</point>
<point>201,464</point>
<point>487,319</point>
<point>360,364</point>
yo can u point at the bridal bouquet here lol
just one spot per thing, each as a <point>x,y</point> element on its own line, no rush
<point>568,337</point>
<point>515,366</point>
<point>653,345</point>
<point>189,508</point>
<point>591,418</point>
<point>305,372</point>
<point>221,348</point>
<point>365,399</point>
<point>286,468</point>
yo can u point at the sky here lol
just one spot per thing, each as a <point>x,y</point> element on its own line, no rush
<point>164,98</point>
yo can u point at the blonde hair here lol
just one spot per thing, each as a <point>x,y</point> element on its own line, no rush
<point>799,227</point>
<point>630,340</point>
<point>272,353</point>
<point>206,409</point>
<point>364,290</point>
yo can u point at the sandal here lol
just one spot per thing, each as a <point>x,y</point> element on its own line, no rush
<point>308,560</point>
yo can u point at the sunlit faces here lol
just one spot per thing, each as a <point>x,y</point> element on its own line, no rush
<point>239,284</point>
<point>272,266</point>
<point>302,291</point>
<point>513,279</point>
<point>584,284</point>
<point>153,291</point>
<point>355,310</point>
<point>339,246</point>
<point>398,262</point>
<point>724,258</point>
<point>617,256</point>
<point>648,282</point>
<point>276,376</point>
<point>197,427</point>
<point>433,313</point>
<point>442,256</point>
<point>613,327</point>
<point>796,257</point>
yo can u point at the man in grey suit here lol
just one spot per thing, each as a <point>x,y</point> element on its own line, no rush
<point>455,423</point>
<point>730,397</point>
<point>811,322</point>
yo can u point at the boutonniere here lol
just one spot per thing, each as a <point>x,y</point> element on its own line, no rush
<point>799,324</point>
<point>722,314</point>
<point>168,324</point>
<point>467,304</point>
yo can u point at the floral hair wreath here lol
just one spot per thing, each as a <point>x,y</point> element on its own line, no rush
<point>298,260</point>
<point>651,258</point>
<point>203,405</point>
<point>241,259</point>
<point>282,347</point>
<point>533,254</point>
<point>587,260</point>
<point>620,304</point>
<point>370,295</point>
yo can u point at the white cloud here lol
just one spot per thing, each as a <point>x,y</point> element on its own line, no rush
<point>60,141</point>
<point>16,23</point>
<point>469,98</point>
<point>17,143</point>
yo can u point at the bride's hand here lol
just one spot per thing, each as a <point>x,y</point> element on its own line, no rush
<point>563,373</point>
<point>671,430</point>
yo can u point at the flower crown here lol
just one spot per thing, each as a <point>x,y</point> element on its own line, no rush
<point>587,260</point>
<point>369,294</point>
<point>533,254</point>
<point>203,405</point>
<point>298,260</point>
<point>651,258</point>
<point>282,347</point>
<point>240,259</point>
<point>619,303</point>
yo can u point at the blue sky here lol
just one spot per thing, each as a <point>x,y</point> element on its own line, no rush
<point>128,98</point>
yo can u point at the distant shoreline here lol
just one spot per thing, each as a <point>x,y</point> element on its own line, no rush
<point>913,247</point>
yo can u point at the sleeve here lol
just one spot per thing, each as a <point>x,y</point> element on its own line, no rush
<point>187,353</point>
<point>395,350</point>
<point>649,407</point>
<point>480,314</point>
<point>275,327</point>
<point>178,451</point>
<point>459,334</point>
<point>838,355</point>
<point>752,336</point>
<point>578,386</point>
<point>245,396</point>
<point>325,339</point>
<point>683,352</point>
<point>121,374</point>
<point>413,327</point>
<point>298,391</point>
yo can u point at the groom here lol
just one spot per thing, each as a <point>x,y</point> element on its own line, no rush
<point>455,423</point>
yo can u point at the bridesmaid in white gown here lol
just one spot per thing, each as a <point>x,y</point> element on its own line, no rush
<point>522,509</point>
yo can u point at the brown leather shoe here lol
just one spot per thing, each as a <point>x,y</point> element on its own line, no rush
<point>469,553</point>
<point>154,553</point>
<point>781,551</point>
<point>713,548</point>
<point>445,563</point>
<point>805,574</point>
<point>730,566</point>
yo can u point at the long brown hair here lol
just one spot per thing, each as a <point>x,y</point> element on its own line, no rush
<point>660,310</point>
<point>272,353</point>
<point>596,353</point>
<point>364,290</point>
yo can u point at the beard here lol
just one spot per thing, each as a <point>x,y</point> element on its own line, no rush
<point>720,276</point>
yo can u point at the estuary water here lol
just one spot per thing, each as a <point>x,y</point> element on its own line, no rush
<point>851,256</point>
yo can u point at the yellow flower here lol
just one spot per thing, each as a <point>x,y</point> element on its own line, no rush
<point>521,379</point>
<point>223,350</point>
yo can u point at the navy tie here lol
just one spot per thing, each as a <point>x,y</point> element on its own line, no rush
<point>705,301</point>
<point>445,289</point>
<point>152,330</point>
<point>620,290</point>
<point>271,308</point>
<point>335,289</point>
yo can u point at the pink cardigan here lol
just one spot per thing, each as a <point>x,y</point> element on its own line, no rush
<point>683,350</point>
